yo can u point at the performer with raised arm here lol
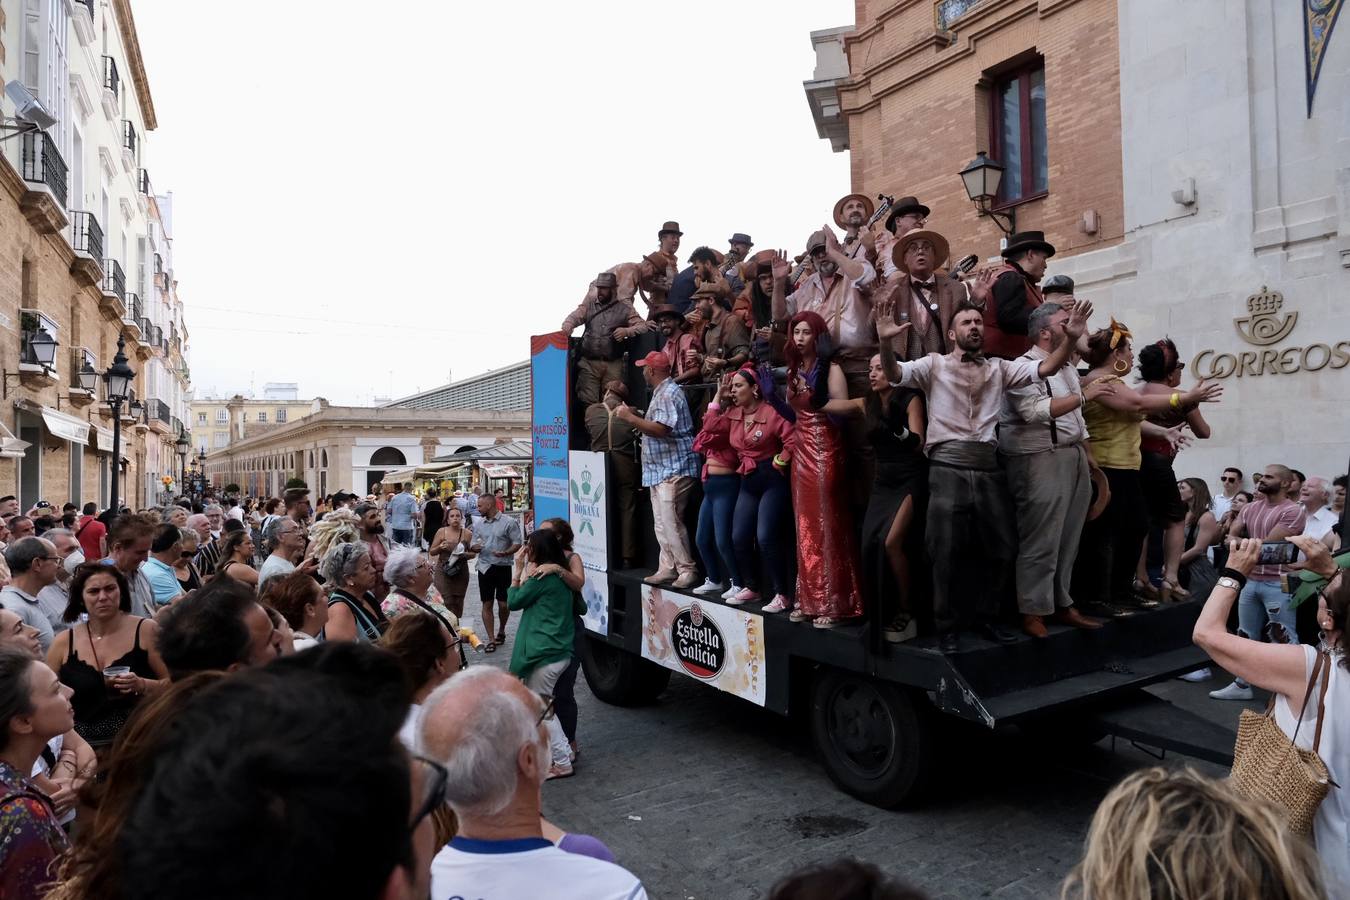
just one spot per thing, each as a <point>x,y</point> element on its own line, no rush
<point>609,322</point>
<point>970,525</point>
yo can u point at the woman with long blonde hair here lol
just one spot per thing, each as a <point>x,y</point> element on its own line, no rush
<point>1177,835</point>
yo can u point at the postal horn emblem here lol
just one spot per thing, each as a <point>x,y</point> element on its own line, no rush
<point>1265,325</point>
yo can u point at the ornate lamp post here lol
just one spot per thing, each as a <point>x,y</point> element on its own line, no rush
<point>118,379</point>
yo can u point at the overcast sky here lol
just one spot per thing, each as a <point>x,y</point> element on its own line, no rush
<point>366,203</point>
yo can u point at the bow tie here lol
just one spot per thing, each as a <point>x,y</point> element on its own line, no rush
<point>972,357</point>
<point>926,285</point>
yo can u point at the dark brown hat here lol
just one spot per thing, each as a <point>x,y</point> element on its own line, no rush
<point>606,279</point>
<point>1028,240</point>
<point>817,239</point>
<point>670,228</point>
<point>665,309</point>
<point>1057,284</point>
<point>839,208</point>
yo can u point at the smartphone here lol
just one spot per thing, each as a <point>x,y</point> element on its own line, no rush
<point>1277,553</point>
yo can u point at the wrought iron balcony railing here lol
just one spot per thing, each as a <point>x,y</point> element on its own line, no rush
<point>86,234</point>
<point>42,164</point>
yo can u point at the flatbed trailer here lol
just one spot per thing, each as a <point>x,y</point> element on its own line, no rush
<point>875,709</point>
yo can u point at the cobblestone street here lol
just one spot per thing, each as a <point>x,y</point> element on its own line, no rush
<point>706,796</point>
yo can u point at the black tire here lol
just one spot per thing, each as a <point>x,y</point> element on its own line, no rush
<point>877,741</point>
<point>619,677</point>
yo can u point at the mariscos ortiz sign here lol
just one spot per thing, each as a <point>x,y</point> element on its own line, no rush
<point>1265,328</point>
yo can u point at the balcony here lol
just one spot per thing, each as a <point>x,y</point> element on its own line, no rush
<point>86,239</point>
<point>157,414</point>
<point>45,171</point>
<point>82,17</point>
<point>143,182</point>
<point>114,290</point>
<point>131,319</point>
<point>112,88</point>
<point>130,146</point>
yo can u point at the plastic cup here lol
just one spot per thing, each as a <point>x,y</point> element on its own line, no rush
<point>112,672</point>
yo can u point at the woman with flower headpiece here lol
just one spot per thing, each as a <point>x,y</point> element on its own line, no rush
<point>1113,541</point>
<point>1160,368</point>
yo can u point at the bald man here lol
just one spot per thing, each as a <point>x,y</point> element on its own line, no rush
<point>487,729</point>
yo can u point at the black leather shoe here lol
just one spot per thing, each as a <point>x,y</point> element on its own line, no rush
<point>949,642</point>
<point>999,634</point>
<point>1105,610</point>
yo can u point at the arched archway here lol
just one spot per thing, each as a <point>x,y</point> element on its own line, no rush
<point>387,457</point>
<point>466,448</point>
<point>324,456</point>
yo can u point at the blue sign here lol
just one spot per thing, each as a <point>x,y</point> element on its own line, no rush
<point>550,396</point>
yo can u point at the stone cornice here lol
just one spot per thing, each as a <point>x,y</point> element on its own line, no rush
<point>358,418</point>
<point>126,25</point>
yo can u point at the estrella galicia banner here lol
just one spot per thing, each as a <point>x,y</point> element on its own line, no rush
<point>549,391</point>
<point>590,533</point>
<point>716,644</point>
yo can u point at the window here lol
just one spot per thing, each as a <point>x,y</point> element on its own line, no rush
<point>262,415</point>
<point>201,418</point>
<point>1018,130</point>
<point>219,439</point>
<point>222,416</point>
<point>281,416</point>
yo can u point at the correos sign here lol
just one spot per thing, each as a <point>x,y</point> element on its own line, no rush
<point>1265,328</point>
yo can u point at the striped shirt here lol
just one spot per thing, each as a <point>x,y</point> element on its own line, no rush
<point>1261,517</point>
<point>208,557</point>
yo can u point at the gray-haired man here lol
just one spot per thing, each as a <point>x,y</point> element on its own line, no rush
<point>33,563</point>
<point>1041,437</point>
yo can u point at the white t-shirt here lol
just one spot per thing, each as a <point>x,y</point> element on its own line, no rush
<point>236,513</point>
<point>1319,523</point>
<point>526,867</point>
<point>1330,831</point>
<point>274,567</point>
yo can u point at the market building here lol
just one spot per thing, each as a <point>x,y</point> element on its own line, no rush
<point>85,259</point>
<point>1195,178</point>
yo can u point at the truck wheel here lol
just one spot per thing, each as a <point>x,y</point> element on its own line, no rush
<point>875,740</point>
<point>619,677</point>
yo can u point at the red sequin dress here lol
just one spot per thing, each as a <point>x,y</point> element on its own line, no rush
<point>827,549</point>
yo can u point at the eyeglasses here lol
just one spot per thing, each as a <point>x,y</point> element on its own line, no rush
<point>433,784</point>
<point>547,714</point>
<point>1227,479</point>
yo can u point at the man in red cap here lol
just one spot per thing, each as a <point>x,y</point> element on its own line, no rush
<point>669,467</point>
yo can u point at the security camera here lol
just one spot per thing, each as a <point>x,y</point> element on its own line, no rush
<point>28,108</point>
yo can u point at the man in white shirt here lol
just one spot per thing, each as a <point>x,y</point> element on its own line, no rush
<point>486,728</point>
<point>1042,438</point>
<point>284,539</point>
<point>1314,496</point>
<point>1231,481</point>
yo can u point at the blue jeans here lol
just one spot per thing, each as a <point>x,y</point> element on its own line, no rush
<point>714,527</point>
<point>763,516</point>
<point>403,535</point>
<point>1261,602</point>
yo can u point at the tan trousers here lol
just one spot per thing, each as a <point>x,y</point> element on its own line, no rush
<point>669,498</point>
<point>592,375</point>
<point>1052,492</point>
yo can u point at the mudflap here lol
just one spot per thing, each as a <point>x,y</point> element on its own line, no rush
<point>1151,722</point>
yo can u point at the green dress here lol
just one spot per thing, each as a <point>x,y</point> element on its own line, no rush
<point>546,627</point>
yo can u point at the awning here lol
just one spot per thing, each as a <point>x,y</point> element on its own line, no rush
<point>10,446</point>
<point>65,427</point>
<point>104,438</point>
<point>430,470</point>
<point>502,472</point>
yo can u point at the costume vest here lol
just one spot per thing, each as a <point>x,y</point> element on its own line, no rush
<point>998,342</point>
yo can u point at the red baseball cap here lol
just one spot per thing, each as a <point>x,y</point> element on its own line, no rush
<point>656,359</point>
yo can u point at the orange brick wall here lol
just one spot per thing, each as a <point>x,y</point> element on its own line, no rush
<point>917,112</point>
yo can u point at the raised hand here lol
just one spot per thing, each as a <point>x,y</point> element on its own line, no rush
<point>982,286</point>
<point>887,327</point>
<point>1205,392</point>
<point>1078,317</point>
<point>831,242</point>
<point>781,266</point>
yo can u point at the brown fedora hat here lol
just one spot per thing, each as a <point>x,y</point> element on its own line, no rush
<point>665,309</point>
<point>1028,240</point>
<point>839,208</point>
<point>1101,492</point>
<point>750,268</point>
<point>670,228</point>
<point>902,206</point>
<point>940,248</point>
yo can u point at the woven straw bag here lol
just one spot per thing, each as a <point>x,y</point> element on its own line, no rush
<point>1268,765</point>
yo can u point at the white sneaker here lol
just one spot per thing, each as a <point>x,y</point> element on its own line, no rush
<point>1235,691</point>
<point>732,591</point>
<point>708,587</point>
<point>1198,675</point>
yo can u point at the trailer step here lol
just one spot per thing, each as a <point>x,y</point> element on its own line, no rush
<point>1154,722</point>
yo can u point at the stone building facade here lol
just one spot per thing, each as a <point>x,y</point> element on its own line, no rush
<point>1176,154</point>
<point>85,258</point>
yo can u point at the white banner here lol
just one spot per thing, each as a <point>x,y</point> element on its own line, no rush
<point>717,644</point>
<point>590,532</point>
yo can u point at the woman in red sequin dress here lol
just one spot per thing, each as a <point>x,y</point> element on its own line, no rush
<point>827,551</point>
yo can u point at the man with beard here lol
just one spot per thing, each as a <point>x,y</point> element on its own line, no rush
<point>969,529</point>
<point>906,214</point>
<point>726,343</point>
<point>372,532</point>
<point>1042,438</point>
<point>608,323</point>
<point>738,253</point>
<point>1015,294</point>
<point>839,291</point>
<point>681,346</point>
<point>656,272</point>
<point>851,214</point>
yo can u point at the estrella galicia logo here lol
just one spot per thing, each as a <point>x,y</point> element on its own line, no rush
<point>698,643</point>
